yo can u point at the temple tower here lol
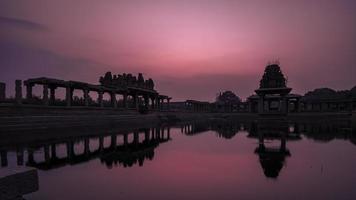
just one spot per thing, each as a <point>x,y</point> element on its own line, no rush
<point>273,91</point>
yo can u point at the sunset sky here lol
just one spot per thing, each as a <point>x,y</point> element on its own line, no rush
<point>192,49</point>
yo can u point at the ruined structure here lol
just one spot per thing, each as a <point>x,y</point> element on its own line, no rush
<point>273,91</point>
<point>227,102</point>
<point>328,100</point>
<point>127,91</point>
<point>126,85</point>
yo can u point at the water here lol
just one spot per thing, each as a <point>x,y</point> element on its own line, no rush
<point>216,159</point>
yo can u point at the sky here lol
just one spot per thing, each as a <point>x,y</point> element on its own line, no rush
<point>192,49</point>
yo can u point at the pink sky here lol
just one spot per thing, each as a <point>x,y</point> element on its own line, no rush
<point>193,49</point>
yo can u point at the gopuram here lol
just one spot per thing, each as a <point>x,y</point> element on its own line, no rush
<point>136,89</point>
<point>273,91</point>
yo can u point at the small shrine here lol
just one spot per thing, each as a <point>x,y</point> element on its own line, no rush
<point>273,91</point>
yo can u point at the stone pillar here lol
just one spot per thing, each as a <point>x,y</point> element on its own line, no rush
<point>284,109</point>
<point>157,103</point>
<point>70,149</point>
<point>46,153</point>
<point>101,143</point>
<point>52,95</point>
<point>30,157</point>
<point>86,97</point>
<point>29,91</point>
<point>147,101</point>
<point>113,141</point>
<point>45,94</point>
<point>124,100</point>
<point>20,157</point>
<point>3,155</point>
<point>135,101</point>
<point>135,138</point>
<point>162,133</point>
<point>152,133</point>
<point>283,142</point>
<point>69,96</point>
<point>113,100</point>
<point>298,106</point>
<point>261,105</point>
<point>147,135</point>
<point>169,133</point>
<point>126,140</point>
<point>100,98</point>
<point>2,91</point>
<point>86,146</point>
<point>161,104</point>
<point>53,151</point>
<point>18,91</point>
<point>152,103</point>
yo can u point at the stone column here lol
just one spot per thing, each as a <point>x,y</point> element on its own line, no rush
<point>86,97</point>
<point>46,153</point>
<point>113,141</point>
<point>52,95</point>
<point>100,99</point>
<point>3,155</point>
<point>45,94</point>
<point>135,101</point>
<point>2,91</point>
<point>161,104</point>
<point>86,146</point>
<point>152,103</point>
<point>152,133</point>
<point>283,142</point>
<point>126,140</point>
<point>101,143</point>
<point>298,107</point>
<point>135,138</point>
<point>124,100</point>
<point>20,157</point>
<point>70,149</point>
<point>113,100</point>
<point>18,91</point>
<point>30,157</point>
<point>284,109</point>
<point>147,135</point>
<point>261,105</point>
<point>157,103</point>
<point>69,96</point>
<point>29,91</point>
<point>162,133</point>
<point>53,151</point>
<point>169,133</point>
<point>147,101</point>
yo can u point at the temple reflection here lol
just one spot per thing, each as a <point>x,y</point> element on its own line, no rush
<point>272,159</point>
<point>141,148</point>
<point>136,146</point>
<point>223,128</point>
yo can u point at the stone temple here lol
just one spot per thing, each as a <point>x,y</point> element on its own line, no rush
<point>273,91</point>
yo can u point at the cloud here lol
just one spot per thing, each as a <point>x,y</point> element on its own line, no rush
<point>22,24</point>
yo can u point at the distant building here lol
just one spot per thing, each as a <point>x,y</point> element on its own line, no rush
<point>227,102</point>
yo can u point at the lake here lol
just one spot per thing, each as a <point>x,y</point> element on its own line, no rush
<point>210,159</point>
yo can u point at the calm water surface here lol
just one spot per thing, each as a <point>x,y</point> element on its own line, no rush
<point>218,159</point>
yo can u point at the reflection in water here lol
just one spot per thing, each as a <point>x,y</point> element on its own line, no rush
<point>272,158</point>
<point>127,154</point>
<point>272,148</point>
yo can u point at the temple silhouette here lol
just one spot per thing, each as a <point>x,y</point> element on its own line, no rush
<point>272,97</point>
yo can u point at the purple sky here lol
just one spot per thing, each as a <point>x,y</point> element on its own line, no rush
<point>192,49</point>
